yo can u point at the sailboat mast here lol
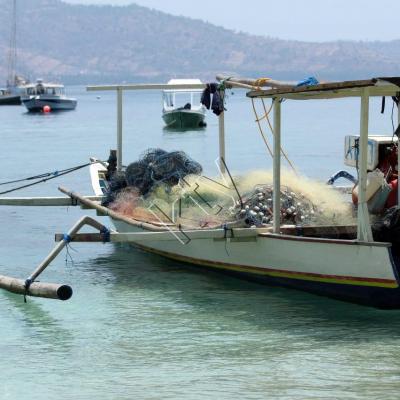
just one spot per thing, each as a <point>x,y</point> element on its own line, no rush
<point>12,50</point>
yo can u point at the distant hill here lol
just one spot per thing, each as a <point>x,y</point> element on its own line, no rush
<point>81,44</point>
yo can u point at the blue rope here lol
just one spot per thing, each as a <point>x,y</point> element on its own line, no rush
<point>106,233</point>
<point>66,238</point>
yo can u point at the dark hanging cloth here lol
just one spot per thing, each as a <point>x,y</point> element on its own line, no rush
<point>217,103</point>
<point>206,96</point>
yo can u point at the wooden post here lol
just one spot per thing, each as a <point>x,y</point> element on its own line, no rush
<point>277,166</point>
<point>221,126</point>
<point>119,129</point>
<point>364,232</point>
<point>398,154</point>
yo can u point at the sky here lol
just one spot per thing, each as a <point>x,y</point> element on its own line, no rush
<point>309,20</point>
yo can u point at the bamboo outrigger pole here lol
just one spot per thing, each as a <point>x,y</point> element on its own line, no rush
<point>29,287</point>
<point>36,289</point>
<point>247,83</point>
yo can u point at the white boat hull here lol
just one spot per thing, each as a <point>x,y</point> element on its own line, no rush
<point>364,273</point>
<point>342,269</point>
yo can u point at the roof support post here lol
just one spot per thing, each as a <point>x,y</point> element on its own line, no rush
<point>119,129</point>
<point>363,225</point>
<point>398,155</point>
<point>221,129</point>
<point>277,166</point>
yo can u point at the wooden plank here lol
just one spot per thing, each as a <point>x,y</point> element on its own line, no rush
<point>254,83</point>
<point>315,88</point>
<point>116,237</point>
<point>276,166</point>
<point>81,237</point>
<point>319,230</point>
<point>44,201</point>
<point>146,86</point>
<point>331,90</point>
<point>153,226</point>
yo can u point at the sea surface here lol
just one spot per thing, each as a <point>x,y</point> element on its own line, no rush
<point>142,327</point>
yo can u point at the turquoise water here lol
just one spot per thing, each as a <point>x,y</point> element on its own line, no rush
<point>142,327</point>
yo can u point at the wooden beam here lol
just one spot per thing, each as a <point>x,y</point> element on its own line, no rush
<point>277,166</point>
<point>221,140</point>
<point>169,235</point>
<point>115,215</point>
<point>364,232</point>
<point>44,201</point>
<point>145,86</point>
<point>119,129</point>
<point>254,83</point>
<point>330,90</point>
<point>315,88</point>
<point>398,154</point>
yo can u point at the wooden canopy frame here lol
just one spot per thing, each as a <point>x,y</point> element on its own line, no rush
<point>363,89</point>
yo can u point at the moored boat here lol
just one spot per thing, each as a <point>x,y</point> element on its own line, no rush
<point>181,107</point>
<point>9,99</point>
<point>41,95</point>
<point>353,262</point>
<point>345,263</point>
<point>16,85</point>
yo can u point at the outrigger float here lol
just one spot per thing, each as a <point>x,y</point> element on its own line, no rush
<point>338,262</point>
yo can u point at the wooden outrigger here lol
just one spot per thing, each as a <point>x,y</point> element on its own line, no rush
<point>350,266</point>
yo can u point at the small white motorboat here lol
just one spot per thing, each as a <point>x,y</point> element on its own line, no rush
<point>47,96</point>
<point>181,107</point>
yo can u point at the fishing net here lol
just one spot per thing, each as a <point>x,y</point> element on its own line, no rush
<point>156,167</point>
<point>256,209</point>
<point>115,185</point>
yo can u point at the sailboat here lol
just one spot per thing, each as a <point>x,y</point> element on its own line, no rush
<point>16,85</point>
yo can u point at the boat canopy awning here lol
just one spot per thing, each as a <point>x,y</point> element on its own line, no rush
<point>386,86</point>
<point>184,90</point>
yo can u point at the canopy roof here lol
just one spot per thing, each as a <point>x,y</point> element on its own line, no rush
<point>45,85</point>
<point>174,82</point>
<point>386,86</point>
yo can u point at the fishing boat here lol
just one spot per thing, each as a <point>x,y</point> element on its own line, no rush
<point>51,96</point>
<point>342,262</point>
<point>181,107</point>
<point>7,98</point>
<point>16,85</point>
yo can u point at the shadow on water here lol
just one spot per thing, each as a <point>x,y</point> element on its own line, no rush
<point>266,307</point>
<point>46,328</point>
